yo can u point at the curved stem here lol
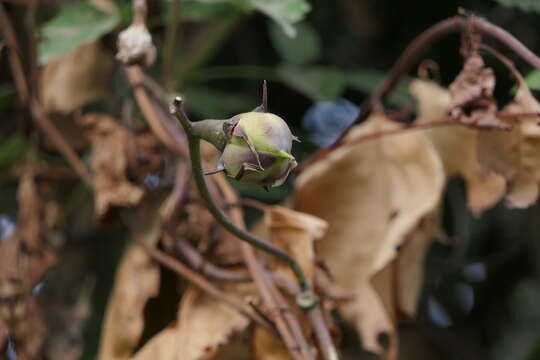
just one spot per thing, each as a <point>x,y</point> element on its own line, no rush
<point>306,299</point>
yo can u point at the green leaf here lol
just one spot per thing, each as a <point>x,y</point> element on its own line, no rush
<point>285,12</point>
<point>198,10</point>
<point>304,48</point>
<point>533,80</point>
<point>525,5</point>
<point>12,149</point>
<point>368,80</point>
<point>214,104</point>
<point>317,82</point>
<point>74,25</point>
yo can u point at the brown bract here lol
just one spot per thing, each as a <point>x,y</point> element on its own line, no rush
<point>471,94</point>
<point>372,194</point>
<point>515,154</point>
<point>76,78</point>
<point>457,146</point>
<point>110,142</point>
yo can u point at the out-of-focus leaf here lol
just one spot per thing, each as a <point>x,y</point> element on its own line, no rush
<point>318,83</point>
<point>76,78</point>
<point>394,181</point>
<point>471,96</point>
<point>533,80</point>
<point>284,12</point>
<point>525,5</point>
<point>368,80</point>
<point>326,120</point>
<point>304,48</point>
<point>515,154</point>
<point>110,143</point>
<point>199,10</point>
<point>457,147</point>
<point>12,149</point>
<point>137,280</point>
<point>7,97</point>
<point>214,104</point>
<point>409,267</point>
<point>73,26</point>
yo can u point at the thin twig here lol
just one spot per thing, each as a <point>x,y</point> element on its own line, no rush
<point>372,136</point>
<point>263,281</point>
<point>195,259</point>
<point>199,281</point>
<point>29,99</point>
<point>169,134</point>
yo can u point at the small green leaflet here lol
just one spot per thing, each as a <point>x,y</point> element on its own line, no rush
<point>73,26</point>
<point>525,5</point>
<point>533,79</point>
<point>285,12</point>
<point>302,49</point>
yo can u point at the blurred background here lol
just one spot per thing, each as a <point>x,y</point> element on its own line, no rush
<point>481,294</point>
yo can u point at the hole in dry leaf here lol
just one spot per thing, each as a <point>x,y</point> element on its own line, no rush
<point>159,311</point>
<point>384,340</point>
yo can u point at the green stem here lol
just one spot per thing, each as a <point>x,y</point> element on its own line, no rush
<point>306,299</point>
<point>211,131</point>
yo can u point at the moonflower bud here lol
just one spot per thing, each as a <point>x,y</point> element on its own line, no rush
<point>258,150</point>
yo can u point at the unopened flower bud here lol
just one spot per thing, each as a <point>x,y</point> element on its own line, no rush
<point>135,46</point>
<point>258,150</point>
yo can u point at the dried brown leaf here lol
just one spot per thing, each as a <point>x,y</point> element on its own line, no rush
<point>294,232</point>
<point>515,154</point>
<point>372,194</point>
<point>110,143</point>
<point>204,324</point>
<point>457,147</point>
<point>471,95</point>
<point>409,266</point>
<point>137,280</point>
<point>76,78</point>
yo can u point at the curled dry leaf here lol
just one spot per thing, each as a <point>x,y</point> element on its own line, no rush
<point>515,154</point>
<point>375,193</point>
<point>471,95</point>
<point>409,266</point>
<point>137,280</point>
<point>204,324</point>
<point>110,142</point>
<point>76,78</point>
<point>296,233</point>
<point>457,147</point>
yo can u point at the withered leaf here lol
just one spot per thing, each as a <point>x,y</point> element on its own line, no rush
<point>76,78</point>
<point>110,142</point>
<point>374,194</point>
<point>137,280</point>
<point>515,154</point>
<point>471,95</point>
<point>409,266</point>
<point>296,233</point>
<point>457,147</point>
<point>203,325</point>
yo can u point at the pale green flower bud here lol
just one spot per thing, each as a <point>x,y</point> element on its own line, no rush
<point>258,150</point>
